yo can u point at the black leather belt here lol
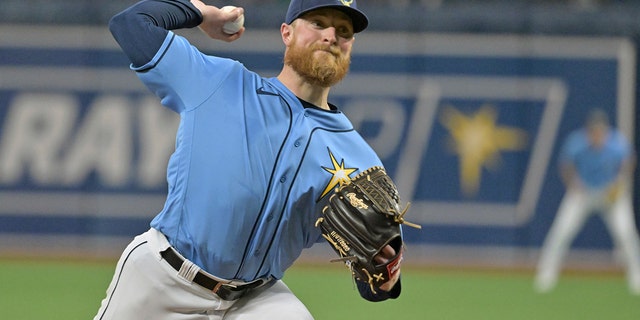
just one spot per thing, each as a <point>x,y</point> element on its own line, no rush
<point>225,291</point>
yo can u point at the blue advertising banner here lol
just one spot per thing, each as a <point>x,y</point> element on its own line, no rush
<point>469,126</point>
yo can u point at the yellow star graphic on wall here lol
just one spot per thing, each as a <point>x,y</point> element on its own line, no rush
<point>478,141</point>
<point>339,174</point>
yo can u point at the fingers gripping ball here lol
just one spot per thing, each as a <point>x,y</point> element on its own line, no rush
<point>363,218</point>
<point>232,26</point>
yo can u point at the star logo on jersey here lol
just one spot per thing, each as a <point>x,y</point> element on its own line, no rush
<point>339,174</point>
<point>478,141</point>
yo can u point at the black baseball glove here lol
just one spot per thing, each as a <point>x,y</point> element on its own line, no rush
<point>363,217</point>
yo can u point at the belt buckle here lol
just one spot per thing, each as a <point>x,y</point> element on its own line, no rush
<point>217,287</point>
<point>230,292</point>
<point>226,292</point>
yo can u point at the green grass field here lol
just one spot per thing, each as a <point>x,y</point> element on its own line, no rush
<point>73,290</point>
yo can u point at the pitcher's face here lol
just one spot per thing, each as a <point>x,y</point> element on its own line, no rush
<point>320,46</point>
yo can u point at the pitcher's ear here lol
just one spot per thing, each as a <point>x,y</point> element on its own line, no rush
<point>286,31</point>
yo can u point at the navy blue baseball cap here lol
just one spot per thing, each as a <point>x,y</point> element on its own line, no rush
<point>300,7</point>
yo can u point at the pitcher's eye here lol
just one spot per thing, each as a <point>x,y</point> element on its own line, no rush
<point>317,24</point>
<point>344,32</point>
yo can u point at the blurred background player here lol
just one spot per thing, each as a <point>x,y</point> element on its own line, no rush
<point>596,163</point>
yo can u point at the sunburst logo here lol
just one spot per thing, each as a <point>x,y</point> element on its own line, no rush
<point>339,174</point>
<point>478,140</point>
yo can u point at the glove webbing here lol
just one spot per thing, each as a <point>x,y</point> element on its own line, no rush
<point>379,191</point>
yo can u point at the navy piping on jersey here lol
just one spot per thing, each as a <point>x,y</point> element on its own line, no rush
<point>306,148</point>
<point>173,36</point>
<point>266,196</point>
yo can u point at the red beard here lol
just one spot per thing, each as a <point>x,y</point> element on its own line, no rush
<point>321,69</point>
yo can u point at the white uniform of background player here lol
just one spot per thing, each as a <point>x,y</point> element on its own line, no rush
<point>596,165</point>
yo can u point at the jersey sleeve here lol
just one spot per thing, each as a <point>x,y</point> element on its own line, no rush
<point>183,77</point>
<point>569,148</point>
<point>622,144</point>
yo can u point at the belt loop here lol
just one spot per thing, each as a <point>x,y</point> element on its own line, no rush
<point>188,270</point>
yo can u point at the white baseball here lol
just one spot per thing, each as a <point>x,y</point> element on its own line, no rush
<point>233,26</point>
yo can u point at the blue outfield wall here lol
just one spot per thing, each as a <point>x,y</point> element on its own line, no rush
<point>83,145</point>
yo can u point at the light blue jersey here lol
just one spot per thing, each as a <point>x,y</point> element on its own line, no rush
<point>252,167</point>
<point>596,167</point>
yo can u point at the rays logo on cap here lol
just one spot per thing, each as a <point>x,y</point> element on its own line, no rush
<point>350,7</point>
